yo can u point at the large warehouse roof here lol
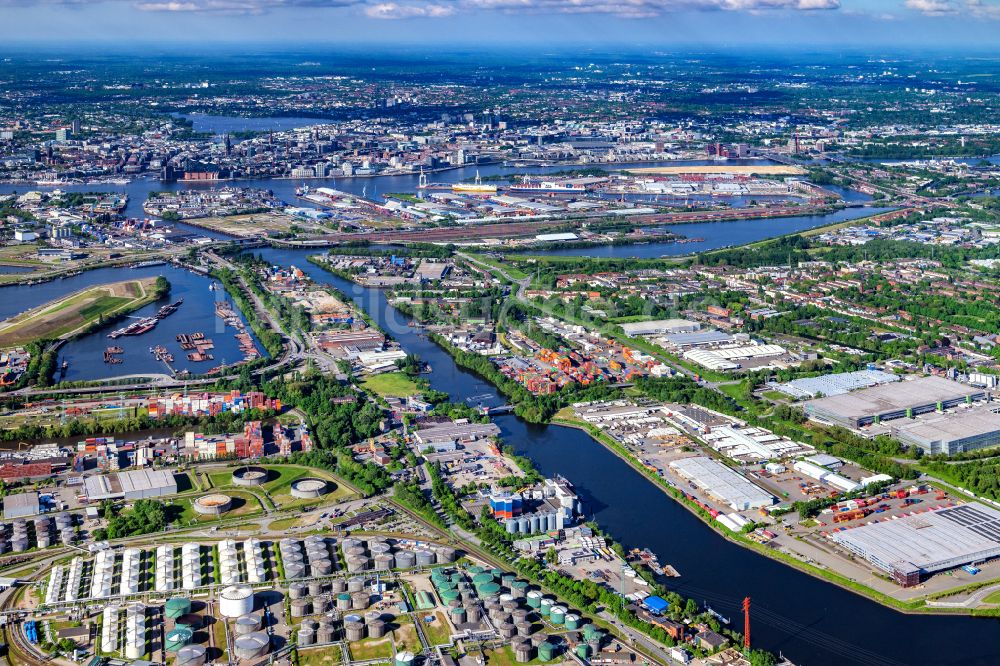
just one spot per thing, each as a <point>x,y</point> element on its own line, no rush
<point>930,541</point>
<point>836,384</point>
<point>892,397</point>
<point>722,482</point>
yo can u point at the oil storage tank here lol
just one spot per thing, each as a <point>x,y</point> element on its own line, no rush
<point>236,600</point>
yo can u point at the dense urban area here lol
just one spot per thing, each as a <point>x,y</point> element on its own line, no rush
<point>625,359</point>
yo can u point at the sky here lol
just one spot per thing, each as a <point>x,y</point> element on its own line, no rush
<point>973,24</point>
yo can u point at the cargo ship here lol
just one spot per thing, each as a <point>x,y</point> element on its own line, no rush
<point>146,324</point>
<point>477,187</point>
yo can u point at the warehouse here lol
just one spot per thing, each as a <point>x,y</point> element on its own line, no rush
<point>659,327</point>
<point>725,358</point>
<point>951,433</point>
<point>456,432</point>
<point>882,403</point>
<point>722,483</point>
<point>920,544</point>
<point>698,338</point>
<point>21,505</point>
<point>836,384</point>
<point>131,485</point>
<point>752,444</point>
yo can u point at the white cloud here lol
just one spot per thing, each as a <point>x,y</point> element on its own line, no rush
<point>931,7</point>
<point>391,10</point>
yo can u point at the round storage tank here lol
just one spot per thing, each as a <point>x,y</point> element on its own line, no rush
<point>251,645</point>
<point>448,595</point>
<point>300,607</point>
<point>572,622</point>
<point>306,635</point>
<point>458,615</point>
<point>236,600</point>
<point>250,476</point>
<point>383,562</point>
<point>445,554</point>
<point>359,600</point>
<point>519,588</point>
<point>474,613</point>
<point>405,659</point>
<point>297,591</point>
<point>343,601</point>
<point>489,589</point>
<point>426,558</point>
<point>177,639</point>
<point>546,651</point>
<point>355,564</point>
<point>534,599</point>
<point>309,488</point>
<point>507,630</point>
<point>524,651</point>
<point>247,624</point>
<point>405,559</point>
<point>215,504</point>
<point>557,615</point>
<point>354,629</point>
<point>338,585</point>
<point>583,651</point>
<point>376,629</point>
<point>481,579</point>
<point>523,628</point>
<point>321,604</point>
<point>356,584</point>
<point>316,588</point>
<point>191,655</point>
<point>322,566</point>
<point>176,606</point>
<point>546,607</point>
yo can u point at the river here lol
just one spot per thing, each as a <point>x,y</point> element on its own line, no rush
<point>812,622</point>
<point>85,355</point>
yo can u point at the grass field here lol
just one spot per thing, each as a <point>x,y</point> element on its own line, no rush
<point>65,316</point>
<point>323,656</point>
<point>392,384</point>
<point>244,504</point>
<point>278,488</point>
<point>992,598</point>
<point>439,631</point>
<point>372,648</point>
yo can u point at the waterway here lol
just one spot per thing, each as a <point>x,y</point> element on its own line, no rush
<point>812,622</point>
<point>85,355</point>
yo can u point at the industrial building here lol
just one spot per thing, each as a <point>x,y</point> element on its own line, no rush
<point>131,485</point>
<point>891,401</point>
<point>952,432</point>
<point>836,384</point>
<point>21,505</point>
<point>455,432</point>
<point>920,544</point>
<point>727,358</point>
<point>722,483</point>
<point>659,327</point>
<point>752,444</point>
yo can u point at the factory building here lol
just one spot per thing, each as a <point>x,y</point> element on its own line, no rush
<point>911,547</point>
<point>659,327</point>
<point>131,485</point>
<point>505,505</point>
<point>823,475</point>
<point>951,433</point>
<point>836,384</point>
<point>21,505</point>
<point>722,483</point>
<point>891,401</point>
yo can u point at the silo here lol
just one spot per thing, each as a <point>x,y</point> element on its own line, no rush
<point>300,607</point>
<point>458,616</point>
<point>247,624</point>
<point>511,526</point>
<point>191,655</point>
<point>383,562</point>
<point>474,613</point>
<point>343,601</point>
<point>536,523</point>
<point>252,645</point>
<point>550,522</point>
<point>359,600</point>
<point>572,621</point>
<point>354,628</point>
<point>534,599</point>
<point>356,584</point>
<point>405,559</point>
<point>316,588</point>
<point>376,629</point>
<point>426,558</point>
<point>523,525</point>
<point>338,585</point>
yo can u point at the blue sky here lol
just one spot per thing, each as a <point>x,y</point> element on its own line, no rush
<point>868,23</point>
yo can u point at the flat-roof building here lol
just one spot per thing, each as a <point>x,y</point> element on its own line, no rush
<point>20,505</point>
<point>659,327</point>
<point>951,433</point>
<point>836,384</point>
<point>723,483</point>
<point>891,401</point>
<point>131,485</point>
<point>920,544</point>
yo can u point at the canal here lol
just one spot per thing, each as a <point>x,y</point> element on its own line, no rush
<point>812,622</point>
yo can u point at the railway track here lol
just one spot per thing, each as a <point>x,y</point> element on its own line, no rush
<point>25,652</point>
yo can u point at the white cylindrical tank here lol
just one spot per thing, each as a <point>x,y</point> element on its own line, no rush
<point>236,600</point>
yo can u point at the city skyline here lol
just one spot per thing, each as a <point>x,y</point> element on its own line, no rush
<point>865,23</point>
